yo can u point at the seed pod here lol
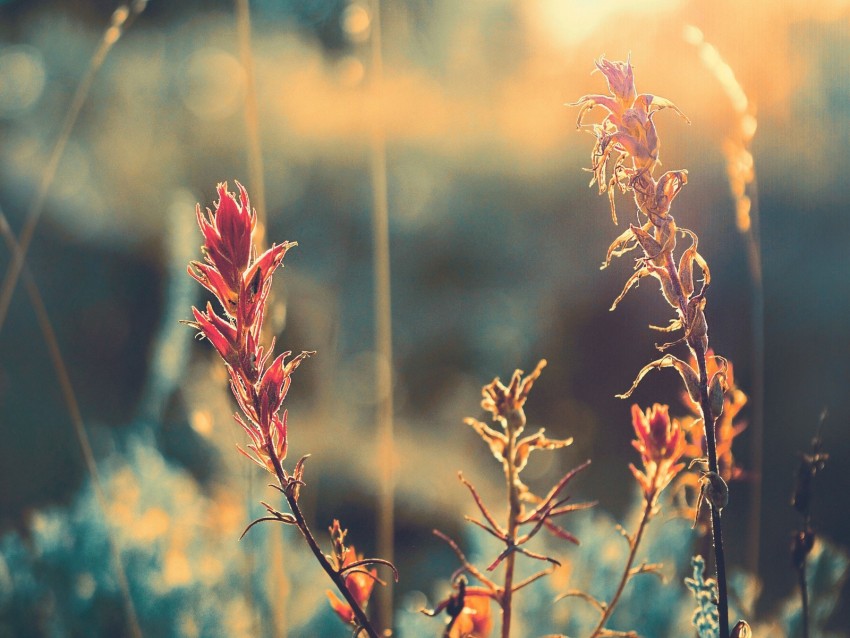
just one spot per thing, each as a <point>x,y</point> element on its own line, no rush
<point>742,630</point>
<point>801,546</point>
<point>716,393</point>
<point>715,490</point>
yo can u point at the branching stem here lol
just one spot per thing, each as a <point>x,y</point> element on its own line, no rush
<point>337,578</point>
<point>514,423</point>
<point>634,541</point>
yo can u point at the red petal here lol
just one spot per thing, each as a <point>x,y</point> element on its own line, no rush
<point>217,331</point>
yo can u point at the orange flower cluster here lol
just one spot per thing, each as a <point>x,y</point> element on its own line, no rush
<point>469,611</point>
<point>506,403</point>
<point>475,619</point>
<point>358,580</point>
<point>241,282</point>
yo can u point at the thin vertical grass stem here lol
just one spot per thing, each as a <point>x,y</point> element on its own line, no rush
<point>76,417</point>
<point>383,316</point>
<point>256,178</point>
<point>256,173</point>
<point>122,18</point>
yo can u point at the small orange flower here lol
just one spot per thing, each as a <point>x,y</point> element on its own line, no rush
<point>476,619</point>
<point>661,442</point>
<point>358,581</point>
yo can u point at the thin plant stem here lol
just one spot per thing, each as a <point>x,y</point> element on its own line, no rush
<point>122,18</point>
<point>256,173</point>
<point>76,416</point>
<point>698,349</point>
<point>256,178</point>
<point>514,508</point>
<point>754,261</point>
<point>627,571</point>
<point>337,578</point>
<point>804,596</point>
<point>716,526</point>
<point>383,317</point>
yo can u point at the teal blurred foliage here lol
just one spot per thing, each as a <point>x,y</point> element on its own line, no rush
<point>653,606</point>
<point>57,582</point>
<point>705,618</point>
<point>826,571</point>
<point>186,578</point>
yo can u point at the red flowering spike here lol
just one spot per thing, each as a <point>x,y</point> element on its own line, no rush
<point>227,234</point>
<point>242,283</point>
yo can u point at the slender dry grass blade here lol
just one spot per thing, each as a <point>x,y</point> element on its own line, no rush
<point>256,177</point>
<point>76,416</point>
<point>744,186</point>
<point>122,18</point>
<point>383,322</point>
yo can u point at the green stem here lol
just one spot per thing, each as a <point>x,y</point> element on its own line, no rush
<point>633,545</point>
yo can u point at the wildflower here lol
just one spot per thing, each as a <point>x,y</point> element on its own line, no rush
<point>241,282</point>
<point>227,246</point>
<point>469,611</point>
<point>661,443</point>
<point>506,404</point>
<point>475,619</point>
<point>231,271</point>
<point>628,133</point>
<point>358,581</point>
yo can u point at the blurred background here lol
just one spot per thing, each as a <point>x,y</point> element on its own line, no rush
<point>495,247</point>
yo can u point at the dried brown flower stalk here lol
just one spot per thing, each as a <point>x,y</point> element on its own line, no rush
<point>627,136</point>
